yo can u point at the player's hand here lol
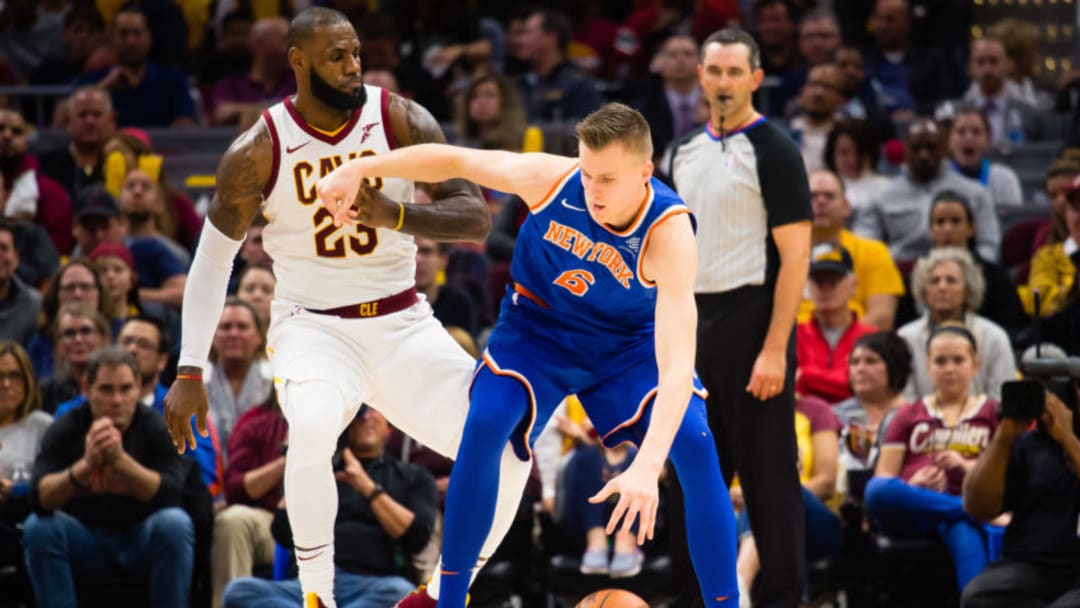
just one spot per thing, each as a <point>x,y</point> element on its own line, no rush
<point>767,377</point>
<point>186,398</point>
<point>638,498</point>
<point>338,190</point>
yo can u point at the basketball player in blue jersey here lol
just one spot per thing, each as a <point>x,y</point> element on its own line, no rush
<point>601,305</point>
<point>347,326</point>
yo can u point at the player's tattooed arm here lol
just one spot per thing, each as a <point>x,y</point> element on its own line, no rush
<point>241,177</point>
<point>458,211</point>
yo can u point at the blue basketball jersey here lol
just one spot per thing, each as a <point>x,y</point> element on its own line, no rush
<point>578,291</point>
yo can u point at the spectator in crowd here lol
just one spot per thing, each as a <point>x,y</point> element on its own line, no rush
<point>490,115</point>
<point>929,447</point>
<point>76,281</point>
<point>452,305</point>
<point>177,219</point>
<point>251,253</point>
<point>1063,328</point>
<point>897,215</point>
<point>19,304</point>
<point>861,97</point>
<point>382,51</point>
<point>912,79</point>
<point>238,100</point>
<point>90,123</point>
<point>818,38</point>
<point>382,78</point>
<point>1011,119</point>
<point>30,32</point>
<point>554,89</point>
<point>22,425</point>
<point>159,261</point>
<point>878,367</point>
<point>80,330</point>
<point>240,377</point>
<point>230,54</point>
<point>816,430</point>
<point>949,284</point>
<point>105,491</point>
<point>1053,267</point>
<point>775,30</point>
<point>878,284</point>
<point>116,266</point>
<point>98,221</point>
<point>144,94</point>
<point>1021,41</point>
<point>824,342</point>
<point>820,101</point>
<point>671,97</point>
<point>851,152</point>
<point>385,508</point>
<point>1032,473</point>
<point>952,224</point>
<point>256,287</point>
<point>27,194</point>
<point>253,489</point>
<point>969,151</point>
<point>84,35</point>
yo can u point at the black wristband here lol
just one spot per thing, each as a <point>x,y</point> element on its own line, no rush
<point>375,493</point>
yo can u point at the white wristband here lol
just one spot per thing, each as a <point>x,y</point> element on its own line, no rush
<point>204,294</point>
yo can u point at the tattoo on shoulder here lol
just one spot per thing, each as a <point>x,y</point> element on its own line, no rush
<point>240,181</point>
<point>422,126</point>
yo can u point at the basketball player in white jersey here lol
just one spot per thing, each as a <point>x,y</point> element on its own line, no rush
<point>346,324</point>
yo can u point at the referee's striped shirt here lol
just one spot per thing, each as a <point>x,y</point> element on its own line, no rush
<point>739,187</point>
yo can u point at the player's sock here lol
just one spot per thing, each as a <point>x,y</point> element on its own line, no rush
<point>474,480</point>
<point>315,412</point>
<point>710,522</point>
<point>513,474</point>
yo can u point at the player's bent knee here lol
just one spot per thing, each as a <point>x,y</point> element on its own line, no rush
<point>316,413</point>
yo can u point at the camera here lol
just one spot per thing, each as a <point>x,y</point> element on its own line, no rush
<point>1026,399</point>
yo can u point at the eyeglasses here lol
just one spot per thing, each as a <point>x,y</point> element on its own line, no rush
<point>140,343</point>
<point>73,287</point>
<point>72,332</point>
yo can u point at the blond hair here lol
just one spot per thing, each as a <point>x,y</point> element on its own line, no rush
<point>616,123</point>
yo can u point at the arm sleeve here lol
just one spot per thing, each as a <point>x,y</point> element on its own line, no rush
<point>55,455</point>
<point>422,501</point>
<point>204,296</point>
<point>899,429</point>
<point>163,459</point>
<point>782,175</point>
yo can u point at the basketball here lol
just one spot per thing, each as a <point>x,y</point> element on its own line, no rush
<point>611,598</point>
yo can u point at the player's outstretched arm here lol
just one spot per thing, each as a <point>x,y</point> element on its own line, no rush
<point>241,177</point>
<point>444,171</point>
<point>670,261</point>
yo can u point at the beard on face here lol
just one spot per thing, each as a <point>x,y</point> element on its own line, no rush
<point>335,98</point>
<point>9,160</point>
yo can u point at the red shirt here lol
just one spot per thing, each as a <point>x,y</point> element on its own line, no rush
<point>920,430</point>
<point>823,371</point>
<point>255,440</point>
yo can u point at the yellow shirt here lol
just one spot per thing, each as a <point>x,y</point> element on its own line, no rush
<point>1052,274</point>
<point>875,274</point>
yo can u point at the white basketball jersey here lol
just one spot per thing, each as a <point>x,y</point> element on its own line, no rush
<point>317,265</point>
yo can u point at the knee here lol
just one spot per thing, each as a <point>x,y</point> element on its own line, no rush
<point>240,592</point>
<point>693,441</point>
<point>42,531</point>
<point>879,492</point>
<point>315,415</point>
<point>172,527</point>
<point>490,422</point>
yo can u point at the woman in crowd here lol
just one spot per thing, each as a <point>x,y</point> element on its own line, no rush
<point>490,115</point>
<point>22,425</point>
<point>76,281</point>
<point>1052,266</point>
<point>256,287</point>
<point>79,331</point>
<point>969,148</point>
<point>879,367</point>
<point>929,447</point>
<point>851,151</point>
<point>950,286</point>
<point>952,224</point>
<point>240,377</point>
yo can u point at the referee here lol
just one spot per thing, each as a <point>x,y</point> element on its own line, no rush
<point>744,180</point>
